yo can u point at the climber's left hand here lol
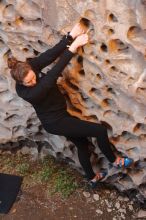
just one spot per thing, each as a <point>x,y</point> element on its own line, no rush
<point>77,30</point>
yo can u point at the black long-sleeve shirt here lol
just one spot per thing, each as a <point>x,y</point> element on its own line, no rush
<point>45,96</point>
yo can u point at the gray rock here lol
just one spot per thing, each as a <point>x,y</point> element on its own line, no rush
<point>122,216</point>
<point>25,150</point>
<point>109,210</point>
<point>109,204</point>
<point>96,197</point>
<point>86,194</point>
<point>122,210</point>
<point>117,205</point>
<point>98,211</point>
<point>34,153</point>
<point>141,214</point>
<point>130,207</point>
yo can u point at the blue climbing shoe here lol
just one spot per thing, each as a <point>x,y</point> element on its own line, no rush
<point>123,162</point>
<point>98,177</point>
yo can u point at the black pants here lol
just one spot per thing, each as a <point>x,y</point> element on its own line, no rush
<point>77,131</point>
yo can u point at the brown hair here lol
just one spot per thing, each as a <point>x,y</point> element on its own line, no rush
<point>19,69</point>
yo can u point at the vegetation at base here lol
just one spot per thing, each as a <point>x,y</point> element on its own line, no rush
<point>22,168</point>
<point>64,183</point>
<point>56,178</point>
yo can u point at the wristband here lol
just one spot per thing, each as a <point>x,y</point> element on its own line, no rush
<point>69,38</point>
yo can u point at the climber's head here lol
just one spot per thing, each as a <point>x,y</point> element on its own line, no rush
<point>22,72</point>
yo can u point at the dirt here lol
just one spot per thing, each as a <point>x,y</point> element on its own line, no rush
<point>34,202</point>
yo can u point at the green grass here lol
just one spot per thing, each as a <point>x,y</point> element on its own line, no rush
<point>43,175</point>
<point>23,168</point>
<point>64,183</point>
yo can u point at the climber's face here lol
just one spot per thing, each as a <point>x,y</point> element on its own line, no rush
<point>30,79</point>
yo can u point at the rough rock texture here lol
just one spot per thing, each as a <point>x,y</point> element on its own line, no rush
<point>108,85</point>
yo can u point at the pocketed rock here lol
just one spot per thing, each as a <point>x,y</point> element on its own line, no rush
<point>107,83</point>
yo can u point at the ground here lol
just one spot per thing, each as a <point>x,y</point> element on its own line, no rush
<point>51,190</point>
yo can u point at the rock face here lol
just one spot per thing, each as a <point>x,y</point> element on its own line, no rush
<point>106,83</point>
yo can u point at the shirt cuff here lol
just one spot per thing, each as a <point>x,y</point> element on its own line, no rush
<point>69,53</point>
<point>69,38</point>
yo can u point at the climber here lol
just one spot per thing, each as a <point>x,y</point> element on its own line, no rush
<point>42,92</point>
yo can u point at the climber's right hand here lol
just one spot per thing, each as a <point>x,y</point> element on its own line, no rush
<point>81,40</point>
